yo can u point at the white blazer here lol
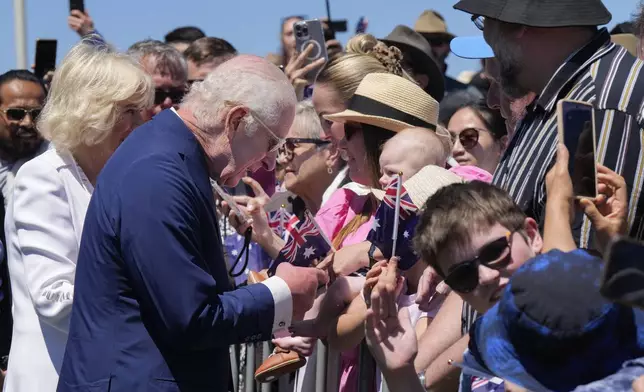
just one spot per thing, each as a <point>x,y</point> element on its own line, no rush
<point>43,226</point>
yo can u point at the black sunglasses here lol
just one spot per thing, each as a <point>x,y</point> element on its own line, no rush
<point>291,142</point>
<point>193,81</point>
<point>175,95</point>
<point>351,129</point>
<point>464,277</point>
<point>18,114</point>
<point>469,137</point>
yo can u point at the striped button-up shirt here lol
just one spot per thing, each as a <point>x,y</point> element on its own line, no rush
<point>611,79</point>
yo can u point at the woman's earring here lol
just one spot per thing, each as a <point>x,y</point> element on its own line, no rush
<point>329,170</point>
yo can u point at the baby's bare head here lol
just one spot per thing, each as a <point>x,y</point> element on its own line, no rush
<point>409,151</point>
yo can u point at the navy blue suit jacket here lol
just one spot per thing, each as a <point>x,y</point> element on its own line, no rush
<point>153,306</point>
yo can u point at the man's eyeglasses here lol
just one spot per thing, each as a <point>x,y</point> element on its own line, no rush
<point>469,137</point>
<point>464,277</point>
<point>175,95</point>
<point>275,142</point>
<point>18,114</point>
<point>479,21</point>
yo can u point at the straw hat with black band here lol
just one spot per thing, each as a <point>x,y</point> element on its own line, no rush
<point>390,102</point>
<point>540,13</point>
<point>418,49</point>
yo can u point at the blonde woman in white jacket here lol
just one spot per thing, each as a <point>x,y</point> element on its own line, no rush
<point>94,103</point>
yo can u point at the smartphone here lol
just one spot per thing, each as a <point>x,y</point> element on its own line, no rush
<point>361,27</point>
<point>45,56</point>
<point>310,32</point>
<point>623,279</point>
<point>77,5</point>
<point>576,122</point>
<point>243,217</point>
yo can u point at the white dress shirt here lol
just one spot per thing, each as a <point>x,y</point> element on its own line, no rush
<point>43,226</point>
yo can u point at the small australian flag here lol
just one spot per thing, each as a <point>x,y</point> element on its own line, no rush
<point>305,244</point>
<point>383,225</point>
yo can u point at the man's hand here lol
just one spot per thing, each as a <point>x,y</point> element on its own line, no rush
<point>303,283</point>
<point>81,22</point>
<point>609,212</point>
<point>389,333</point>
<point>301,345</point>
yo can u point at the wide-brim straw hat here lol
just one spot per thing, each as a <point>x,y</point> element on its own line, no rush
<point>432,25</point>
<point>422,185</point>
<point>390,102</point>
<point>540,13</point>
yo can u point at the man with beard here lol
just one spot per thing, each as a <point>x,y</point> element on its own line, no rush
<point>22,96</point>
<point>554,47</point>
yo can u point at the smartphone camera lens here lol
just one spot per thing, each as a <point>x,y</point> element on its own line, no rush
<point>305,30</point>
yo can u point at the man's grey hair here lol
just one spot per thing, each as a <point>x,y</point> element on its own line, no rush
<point>264,94</point>
<point>306,122</point>
<point>166,59</point>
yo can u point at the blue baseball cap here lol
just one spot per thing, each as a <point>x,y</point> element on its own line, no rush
<point>552,329</point>
<point>471,48</point>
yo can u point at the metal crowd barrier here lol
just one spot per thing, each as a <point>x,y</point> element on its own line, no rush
<point>324,373</point>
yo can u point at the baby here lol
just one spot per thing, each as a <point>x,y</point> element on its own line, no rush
<point>407,152</point>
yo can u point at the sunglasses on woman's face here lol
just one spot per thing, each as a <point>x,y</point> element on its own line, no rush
<point>18,114</point>
<point>469,138</point>
<point>175,95</point>
<point>464,277</point>
<point>350,130</point>
<point>290,143</point>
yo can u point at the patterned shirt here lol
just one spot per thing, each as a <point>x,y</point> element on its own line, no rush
<point>611,79</point>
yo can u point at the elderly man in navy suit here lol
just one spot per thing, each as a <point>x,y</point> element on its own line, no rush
<point>153,306</point>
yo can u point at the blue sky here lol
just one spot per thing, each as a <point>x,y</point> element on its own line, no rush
<point>252,26</point>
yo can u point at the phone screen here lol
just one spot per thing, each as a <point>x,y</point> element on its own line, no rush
<point>578,137</point>
<point>624,272</point>
<point>45,56</point>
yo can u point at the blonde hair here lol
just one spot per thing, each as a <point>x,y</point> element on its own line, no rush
<point>364,55</point>
<point>89,93</point>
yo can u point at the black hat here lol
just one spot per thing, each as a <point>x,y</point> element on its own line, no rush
<point>540,13</point>
<point>414,45</point>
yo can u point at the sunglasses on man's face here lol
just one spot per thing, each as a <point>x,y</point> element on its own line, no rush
<point>469,137</point>
<point>464,277</point>
<point>18,114</point>
<point>175,95</point>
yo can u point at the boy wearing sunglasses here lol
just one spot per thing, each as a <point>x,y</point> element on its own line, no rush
<point>475,237</point>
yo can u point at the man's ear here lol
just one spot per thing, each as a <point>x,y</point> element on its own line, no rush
<point>232,120</point>
<point>534,236</point>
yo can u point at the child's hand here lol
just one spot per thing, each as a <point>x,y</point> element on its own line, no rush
<point>609,212</point>
<point>372,280</point>
<point>559,190</point>
<point>430,286</point>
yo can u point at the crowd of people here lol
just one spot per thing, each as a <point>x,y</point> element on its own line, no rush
<point>164,205</point>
